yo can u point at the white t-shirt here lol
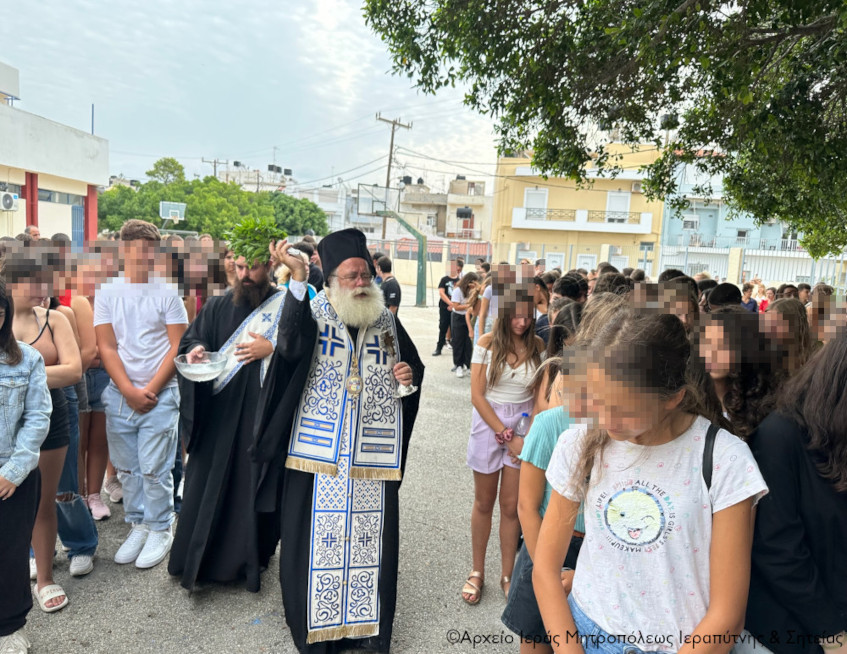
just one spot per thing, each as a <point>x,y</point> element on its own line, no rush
<point>459,298</point>
<point>139,315</point>
<point>644,563</point>
<point>513,385</point>
<point>488,294</point>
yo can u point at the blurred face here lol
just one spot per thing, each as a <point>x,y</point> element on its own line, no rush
<point>229,262</point>
<point>30,293</point>
<point>625,413</point>
<point>138,255</point>
<point>776,326</point>
<point>250,276</point>
<point>770,295</point>
<point>803,295</point>
<point>715,352</point>
<point>34,232</point>
<point>574,393</point>
<point>790,292</point>
<point>519,324</point>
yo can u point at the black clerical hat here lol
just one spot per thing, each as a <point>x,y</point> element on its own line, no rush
<point>724,294</point>
<point>342,245</point>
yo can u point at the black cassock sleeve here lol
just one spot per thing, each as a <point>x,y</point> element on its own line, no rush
<point>280,395</point>
<point>411,403</point>
<point>194,397</point>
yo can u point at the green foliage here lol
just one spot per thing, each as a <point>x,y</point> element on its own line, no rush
<point>167,171</point>
<point>761,82</point>
<point>251,237</point>
<point>296,215</point>
<point>212,206</point>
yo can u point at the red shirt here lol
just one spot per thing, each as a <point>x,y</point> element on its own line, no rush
<point>65,299</point>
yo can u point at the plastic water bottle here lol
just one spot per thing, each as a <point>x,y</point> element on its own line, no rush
<point>522,428</point>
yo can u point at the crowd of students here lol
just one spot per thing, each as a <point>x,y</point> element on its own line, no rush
<point>683,485</point>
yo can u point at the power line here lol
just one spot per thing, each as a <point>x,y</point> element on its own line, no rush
<point>343,172</point>
<point>395,123</point>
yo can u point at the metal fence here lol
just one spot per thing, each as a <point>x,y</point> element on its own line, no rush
<point>437,251</point>
<point>739,260</point>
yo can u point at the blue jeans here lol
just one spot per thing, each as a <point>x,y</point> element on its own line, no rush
<point>142,447</point>
<point>596,641</point>
<point>76,526</point>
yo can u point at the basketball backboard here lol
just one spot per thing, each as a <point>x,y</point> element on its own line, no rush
<point>174,211</point>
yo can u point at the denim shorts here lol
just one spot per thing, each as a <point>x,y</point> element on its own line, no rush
<point>521,614</point>
<point>596,641</point>
<point>97,380</point>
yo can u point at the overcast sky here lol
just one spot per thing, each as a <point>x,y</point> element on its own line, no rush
<point>229,80</point>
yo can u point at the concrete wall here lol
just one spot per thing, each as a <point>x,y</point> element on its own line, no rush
<point>35,144</point>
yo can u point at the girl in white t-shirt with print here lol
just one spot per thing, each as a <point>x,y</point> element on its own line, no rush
<point>665,564</point>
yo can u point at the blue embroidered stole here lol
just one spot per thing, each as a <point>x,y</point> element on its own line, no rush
<point>345,554</point>
<point>374,417</point>
<point>263,320</point>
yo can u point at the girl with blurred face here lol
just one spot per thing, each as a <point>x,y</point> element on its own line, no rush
<point>502,368</point>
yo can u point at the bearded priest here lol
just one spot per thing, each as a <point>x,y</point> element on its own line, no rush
<point>344,443</point>
<point>219,536</point>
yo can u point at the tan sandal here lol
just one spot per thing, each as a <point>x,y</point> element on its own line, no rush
<point>503,582</point>
<point>475,591</point>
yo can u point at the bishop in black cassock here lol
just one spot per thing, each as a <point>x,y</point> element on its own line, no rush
<point>333,604</point>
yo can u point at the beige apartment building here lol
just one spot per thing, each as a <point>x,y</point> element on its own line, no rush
<point>607,220</point>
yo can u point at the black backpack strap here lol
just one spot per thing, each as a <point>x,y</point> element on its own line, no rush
<point>708,454</point>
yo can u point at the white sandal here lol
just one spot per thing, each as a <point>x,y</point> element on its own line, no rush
<point>50,592</point>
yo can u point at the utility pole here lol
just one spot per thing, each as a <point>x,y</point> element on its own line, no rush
<point>394,125</point>
<point>215,163</point>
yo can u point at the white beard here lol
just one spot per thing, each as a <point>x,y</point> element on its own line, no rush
<point>354,310</point>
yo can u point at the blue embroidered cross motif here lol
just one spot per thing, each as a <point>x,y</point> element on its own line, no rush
<point>329,541</point>
<point>376,349</point>
<point>334,341</point>
<point>365,540</point>
<point>266,317</point>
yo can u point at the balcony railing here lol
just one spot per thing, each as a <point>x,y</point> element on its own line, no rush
<point>564,215</point>
<point>620,217</point>
<point>694,240</point>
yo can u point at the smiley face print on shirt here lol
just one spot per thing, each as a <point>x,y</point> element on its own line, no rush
<point>637,516</point>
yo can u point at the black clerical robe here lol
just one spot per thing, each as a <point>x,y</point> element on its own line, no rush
<point>296,344</point>
<point>219,536</point>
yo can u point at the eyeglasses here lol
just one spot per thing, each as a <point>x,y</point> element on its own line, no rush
<point>365,277</point>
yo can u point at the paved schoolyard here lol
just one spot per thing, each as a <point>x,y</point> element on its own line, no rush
<point>119,609</point>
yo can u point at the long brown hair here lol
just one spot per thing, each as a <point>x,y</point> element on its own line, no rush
<point>816,399</point>
<point>8,344</point>
<point>502,345</point>
<point>801,345</point>
<point>650,352</point>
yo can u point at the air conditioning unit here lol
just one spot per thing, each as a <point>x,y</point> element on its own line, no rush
<point>8,201</point>
<point>636,187</point>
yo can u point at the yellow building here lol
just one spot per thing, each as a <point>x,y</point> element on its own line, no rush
<point>551,219</point>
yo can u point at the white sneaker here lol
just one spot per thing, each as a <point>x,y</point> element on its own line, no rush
<point>460,372</point>
<point>81,565</point>
<point>16,643</point>
<point>155,549</point>
<point>133,545</point>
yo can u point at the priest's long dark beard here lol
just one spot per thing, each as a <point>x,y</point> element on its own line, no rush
<point>253,294</point>
<point>353,311</point>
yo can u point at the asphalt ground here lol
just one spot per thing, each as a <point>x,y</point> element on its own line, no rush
<point>118,609</point>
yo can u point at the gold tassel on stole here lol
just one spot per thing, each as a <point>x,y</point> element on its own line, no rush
<point>381,474</point>
<point>337,633</point>
<point>315,467</point>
